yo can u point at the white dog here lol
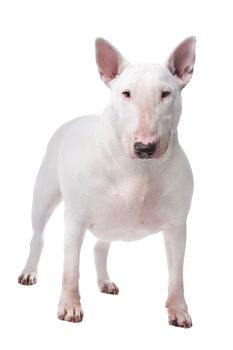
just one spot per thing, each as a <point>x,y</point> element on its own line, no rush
<point>122,175</point>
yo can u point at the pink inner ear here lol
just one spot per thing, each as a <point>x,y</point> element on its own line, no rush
<point>108,61</point>
<point>182,59</point>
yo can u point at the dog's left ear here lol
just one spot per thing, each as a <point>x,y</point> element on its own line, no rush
<point>181,61</point>
<point>109,60</point>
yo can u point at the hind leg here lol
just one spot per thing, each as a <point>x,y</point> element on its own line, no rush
<point>45,198</point>
<point>103,279</point>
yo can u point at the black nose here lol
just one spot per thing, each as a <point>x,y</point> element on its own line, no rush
<point>144,151</point>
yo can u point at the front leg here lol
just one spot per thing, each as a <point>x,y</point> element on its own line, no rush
<point>69,308</point>
<point>175,239</point>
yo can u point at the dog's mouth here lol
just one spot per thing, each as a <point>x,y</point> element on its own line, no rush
<point>153,150</point>
<point>162,146</point>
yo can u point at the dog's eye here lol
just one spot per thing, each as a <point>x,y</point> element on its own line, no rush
<point>126,93</point>
<point>165,94</point>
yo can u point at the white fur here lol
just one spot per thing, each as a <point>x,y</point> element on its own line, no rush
<point>90,163</point>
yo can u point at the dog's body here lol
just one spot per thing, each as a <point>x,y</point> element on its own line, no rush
<point>122,175</point>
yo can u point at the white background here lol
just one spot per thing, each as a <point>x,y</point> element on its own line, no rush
<point>47,77</point>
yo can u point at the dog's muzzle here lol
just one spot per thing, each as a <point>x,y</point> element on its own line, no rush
<point>143,151</point>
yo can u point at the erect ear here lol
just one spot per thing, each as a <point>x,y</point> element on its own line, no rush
<point>181,61</point>
<point>109,60</point>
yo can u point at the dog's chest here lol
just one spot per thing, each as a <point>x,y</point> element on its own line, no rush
<point>127,209</point>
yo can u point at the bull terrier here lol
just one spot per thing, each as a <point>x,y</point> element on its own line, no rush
<point>122,175</point>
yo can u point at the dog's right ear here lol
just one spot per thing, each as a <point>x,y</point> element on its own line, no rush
<point>109,60</point>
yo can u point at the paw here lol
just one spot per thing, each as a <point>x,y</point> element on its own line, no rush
<point>70,312</point>
<point>27,278</point>
<point>179,318</point>
<point>108,287</point>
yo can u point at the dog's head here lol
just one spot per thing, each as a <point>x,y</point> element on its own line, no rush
<point>146,98</point>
